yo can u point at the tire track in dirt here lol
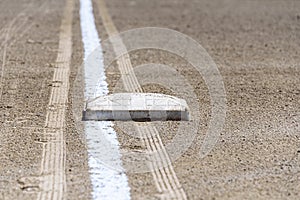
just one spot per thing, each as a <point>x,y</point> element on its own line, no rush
<point>53,180</point>
<point>6,45</point>
<point>15,30</point>
<point>13,27</point>
<point>6,34</point>
<point>165,178</point>
<point>18,25</point>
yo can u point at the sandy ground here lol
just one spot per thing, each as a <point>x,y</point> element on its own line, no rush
<point>31,50</point>
<point>32,36</point>
<point>256,46</point>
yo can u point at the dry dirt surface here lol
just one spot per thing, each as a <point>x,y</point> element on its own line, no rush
<point>256,46</point>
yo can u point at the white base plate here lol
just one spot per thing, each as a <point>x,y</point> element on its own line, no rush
<point>136,107</point>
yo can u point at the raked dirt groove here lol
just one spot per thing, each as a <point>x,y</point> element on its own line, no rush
<point>53,178</point>
<point>166,181</point>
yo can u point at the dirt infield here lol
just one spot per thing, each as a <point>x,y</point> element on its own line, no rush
<point>256,46</point>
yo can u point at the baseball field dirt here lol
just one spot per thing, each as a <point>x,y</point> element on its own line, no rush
<point>254,48</point>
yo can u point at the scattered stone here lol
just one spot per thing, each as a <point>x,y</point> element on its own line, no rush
<point>30,41</point>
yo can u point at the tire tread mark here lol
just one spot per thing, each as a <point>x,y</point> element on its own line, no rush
<point>164,177</point>
<point>53,185</point>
